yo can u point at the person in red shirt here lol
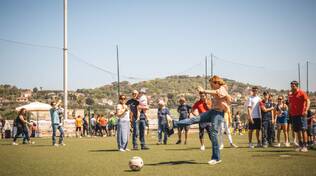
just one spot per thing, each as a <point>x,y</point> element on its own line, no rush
<point>298,106</point>
<point>198,108</point>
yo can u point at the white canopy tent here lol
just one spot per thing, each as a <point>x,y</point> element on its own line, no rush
<point>35,106</point>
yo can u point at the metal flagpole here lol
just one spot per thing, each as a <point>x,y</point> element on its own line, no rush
<point>65,62</point>
<point>299,75</point>
<point>205,72</point>
<point>118,72</point>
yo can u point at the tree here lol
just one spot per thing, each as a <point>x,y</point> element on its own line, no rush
<point>35,89</point>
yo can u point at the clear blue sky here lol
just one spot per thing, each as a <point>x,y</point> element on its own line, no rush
<point>259,42</point>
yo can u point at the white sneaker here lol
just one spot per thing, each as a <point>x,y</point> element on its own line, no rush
<point>127,150</point>
<point>295,144</point>
<point>287,144</point>
<point>298,149</point>
<point>251,146</point>
<point>221,146</point>
<point>202,148</point>
<point>14,143</point>
<point>121,150</point>
<point>304,149</point>
<point>213,162</point>
<point>62,144</point>
<point>56,145</point>
<point>277,145</point>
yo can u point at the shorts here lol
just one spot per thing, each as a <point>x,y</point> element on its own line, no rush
<point>202,126</point>
<point>314,130</point>
<point>281,120</point>
<point>299,123</point>
<point>256,125</point>
<point>78,128</point>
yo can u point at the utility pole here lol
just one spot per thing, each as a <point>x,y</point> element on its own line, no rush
<point>65,61</point>
<point>307,88</point>
<point>118,72</point>
<point>212,63</point>
<point>299,75</point>
<point>205,72</point>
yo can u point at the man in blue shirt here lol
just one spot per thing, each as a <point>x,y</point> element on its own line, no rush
<point>56,124</point>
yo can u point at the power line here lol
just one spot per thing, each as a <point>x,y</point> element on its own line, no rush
<point>29,44</point>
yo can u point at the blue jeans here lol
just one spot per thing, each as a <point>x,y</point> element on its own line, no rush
<point>142,127</point>
<point>24,131</point>
<point>122,134</point>
<point>135,133</point>
<point>212,116</point>
<point>267,132</point>
<point>61,131</point>
<point>162,128</point>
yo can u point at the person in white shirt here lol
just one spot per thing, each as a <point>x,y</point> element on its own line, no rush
<point>254,116</point>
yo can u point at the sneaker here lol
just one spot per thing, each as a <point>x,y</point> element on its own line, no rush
<point>213,162</point>
<point>250,145</point>
<point>121,150</point>
<point>55,145</point>
<point>295,144</point>
<point>178,142</point>
<point>304,149</point>
<point>264,146</point>
<point>287,144</point>
<point>277,145</point>
<point>185,142</point>
<point>31,142</point>
<point>14,143</point>
<point>128,150</point>
<point>62,144</point>
<point>258,145</point>
<point>298,149</point>
<point>233,145</point>
<point>221,146</point>
<point>159,143</point>
<point>202,148</point>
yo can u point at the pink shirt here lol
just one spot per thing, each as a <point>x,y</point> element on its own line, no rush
<point>220,99</point>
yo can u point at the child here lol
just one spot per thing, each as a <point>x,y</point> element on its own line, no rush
<point>143,103</point>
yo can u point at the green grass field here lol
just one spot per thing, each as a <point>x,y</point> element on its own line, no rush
<point>99,157</point>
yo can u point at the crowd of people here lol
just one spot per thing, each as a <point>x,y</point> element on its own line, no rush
<point>267,116</point>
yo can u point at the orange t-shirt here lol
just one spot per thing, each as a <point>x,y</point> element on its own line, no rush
<point>202,106</point>
<point>103,121</point>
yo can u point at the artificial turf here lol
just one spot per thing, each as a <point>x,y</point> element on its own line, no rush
<point>98,156</point>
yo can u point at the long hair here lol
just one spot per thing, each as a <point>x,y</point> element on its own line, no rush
<point>21,111</point>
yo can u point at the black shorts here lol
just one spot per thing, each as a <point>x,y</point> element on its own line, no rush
<point>207,127</point>
<point>78,128</point>
<point>256,125</point>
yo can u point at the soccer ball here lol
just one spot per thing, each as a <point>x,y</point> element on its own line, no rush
<point>136,163</point>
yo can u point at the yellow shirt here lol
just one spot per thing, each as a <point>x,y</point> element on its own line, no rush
<point>78,122</point>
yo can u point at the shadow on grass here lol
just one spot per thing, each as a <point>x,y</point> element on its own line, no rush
<point>190,148</point>
<point>109,150</point>
<point>174,163</point>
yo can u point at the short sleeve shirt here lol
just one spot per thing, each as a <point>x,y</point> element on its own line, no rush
<point>184,111</point>
<point>162,115</point>
<point>253,102</point>
<point>297,103</point>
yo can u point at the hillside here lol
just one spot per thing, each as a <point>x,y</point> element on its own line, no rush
<point>103,98</point>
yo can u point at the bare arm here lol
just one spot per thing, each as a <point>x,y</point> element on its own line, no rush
<point>308,102</point>
<point>250,119</point>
